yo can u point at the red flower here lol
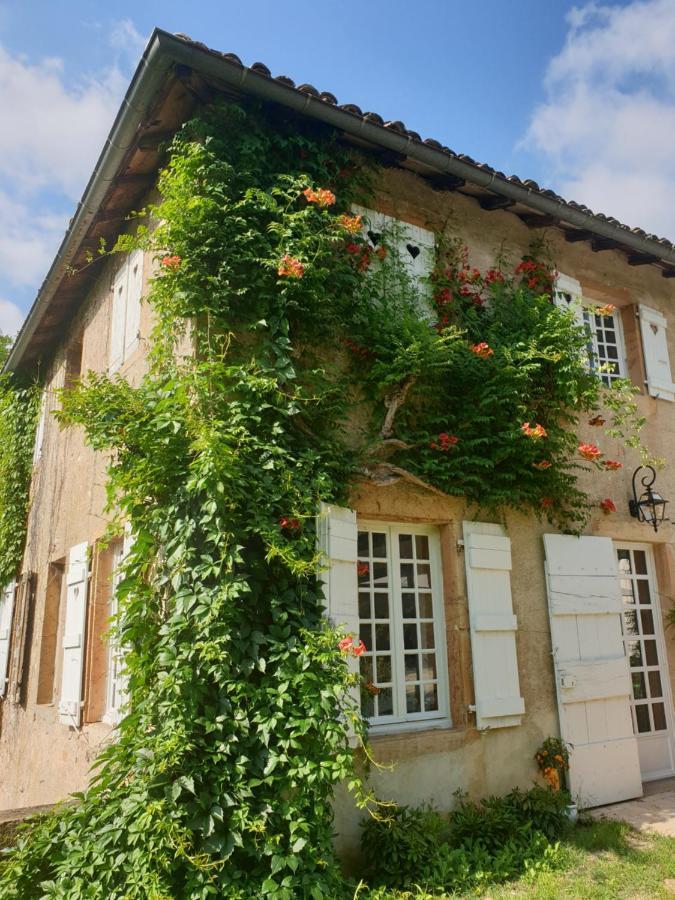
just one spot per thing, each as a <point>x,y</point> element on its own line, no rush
<point>546,502</point>
<point>362,569</point>
<point>445,441</point>
<point>347,645</point>
<point>322,197</point>
<point>469,276</point>
<point>494,276</point>
<point>612,464</point>
<point>443,296</point>
<point>535,431</point>
<point>542,464</point>
<point>359,649</point>
<point>607,506</point>
<point>288,524</point>
<point>290,268</point>
<point>171,262</point>
<point>482,350</point>
<point>589,452</point>
<point>353,248</point>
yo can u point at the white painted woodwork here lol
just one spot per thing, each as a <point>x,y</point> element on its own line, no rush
<point>40,430</point>
<point>116,693</point>
<point>653,328</point>
<point>77,577</point>
<point>6,614</point>
<point>591,669</point>
<point>118,318</point>
<point>493,625</point>
<point>133,305</point>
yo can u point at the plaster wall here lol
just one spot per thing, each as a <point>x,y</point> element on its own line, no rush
<point>41,761</point>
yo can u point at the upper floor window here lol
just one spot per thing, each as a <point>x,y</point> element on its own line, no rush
<point>602,323</point>
<point>401,623</point>
<point>126,310</point>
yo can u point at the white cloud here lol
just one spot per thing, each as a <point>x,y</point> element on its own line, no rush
<point>11,317</point>
<point>607,127</point>
<point>55,127</point>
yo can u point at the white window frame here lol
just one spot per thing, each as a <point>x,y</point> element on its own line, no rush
<point>114,679</point>
<point>568,295</point>
<point>401,720</point>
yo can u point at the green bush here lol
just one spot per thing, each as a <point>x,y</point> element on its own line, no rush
<point>493,840</point>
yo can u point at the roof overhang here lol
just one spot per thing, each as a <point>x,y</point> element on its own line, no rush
<point>175,75</point>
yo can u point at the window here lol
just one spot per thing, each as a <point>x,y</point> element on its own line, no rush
<point>606,347</point>
<point>50,628</point>
<point>402,625</point>
<point>73,361</point>
<point>126,310</point>
<point>115,688</point>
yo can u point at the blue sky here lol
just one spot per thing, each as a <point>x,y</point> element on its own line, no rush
<point>579,97</point>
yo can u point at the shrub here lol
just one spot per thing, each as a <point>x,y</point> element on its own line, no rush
<point>403,843</point>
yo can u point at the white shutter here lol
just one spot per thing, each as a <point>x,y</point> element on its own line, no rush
<point>40,430</point>
<point>6,611</point>
<point>493,625</point>
<point>653,327</point>
<point>591,669</point>
<point>120,290</point>
<point>133,308</point>
<point>77,576</point>
<point>337,537</point>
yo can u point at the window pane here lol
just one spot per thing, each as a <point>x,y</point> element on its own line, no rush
<point>380,574</point>
<point>407,576</point>
<point>366,635</point>
<point>385,703</point>
<point>381,606</point>
<point>364,606</point>
<point>430,697</point>
<point>366,668</point>
<point>647,619</point>
<point>410,637</point>
<point>408,606</point>
<point>379,544</point>
<point>655,689</point>
<point>643,591</point>
<point>639,685</point>
<point>427,633</point>
<point>367,705</point>
<point>383,666</point>
<point>422,546</point>
<point>412,698</point>
<point>634,653</point>
<point>405,546</point>
<point>429,667</point>
<point>630,621</point>
<point>659,713</point>
<point>363,544</point>
<point>426,606</point>
<point>642,718</point>
<point>651,656</point>
<point>424,576</point>
<point>382,637</point>
<point>624,562</point>
<point>363,571</point>
<point>412,667</point>
<point>640,562</point>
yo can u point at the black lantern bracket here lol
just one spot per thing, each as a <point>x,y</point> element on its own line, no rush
<point>649,507</point>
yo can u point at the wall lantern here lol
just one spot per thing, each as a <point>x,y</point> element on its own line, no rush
<point>649,507</point>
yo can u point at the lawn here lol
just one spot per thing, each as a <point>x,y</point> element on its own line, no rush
<point>598,860</point>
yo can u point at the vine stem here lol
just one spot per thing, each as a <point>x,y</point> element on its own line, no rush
<point>394,403</point>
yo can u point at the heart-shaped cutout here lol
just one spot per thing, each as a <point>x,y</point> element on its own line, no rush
<point>413,250</point>
<point>654,328</point>
<point>374,237</point>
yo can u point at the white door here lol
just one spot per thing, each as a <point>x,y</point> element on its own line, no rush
<point>591,669</point>
<point>651,701</point>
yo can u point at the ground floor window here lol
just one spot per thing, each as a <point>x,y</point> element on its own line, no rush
<point>401,623</point>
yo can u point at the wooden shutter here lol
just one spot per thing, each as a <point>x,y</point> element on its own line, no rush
<point>23,616</point>
<point>493,626</point>
<point>653,327</point>
<point>337,537</point>
<point>118,317</point>
<point>40,430</point>
<point>77,576</point>
<point>6,616</point>
<point>133,307</point>
<point>591,669</point>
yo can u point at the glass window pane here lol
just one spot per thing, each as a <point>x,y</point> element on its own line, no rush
<point>426,606</point>
<point>424,576</point>
<point>405,546</point>
<point>427,633</point>
<point>383,667</point>
<point>624,561</point>
<point>366,668</point>
<point>651,655</point>
<point>659,713</point>
<point>379,544</point>
<point>647,619</point>
<point>381,605</point>
<point>408,606</point>
<point>363,571</point>
<point>382,637</point>
<point>412,667</point>
<point>385,702</point>
<point>639,685</point>
<point>367,705</point>
<point>364,606</point>
<point>640,558</point>
<point>407,576</point>
<point>655,689</point>
<point>412,698</point>
<point>422,546</point>
<point>429,667</point>
<point>642,718</point>
<point>363,543</point>
<point>634,653</point>
<point>410,637</point>
<point>366,635</point>
<point>430,697</point>
<point>380,574</point>
<point>630,622</point>
<point>644,594</point>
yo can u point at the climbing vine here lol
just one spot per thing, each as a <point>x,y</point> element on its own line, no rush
<point>290,357</point>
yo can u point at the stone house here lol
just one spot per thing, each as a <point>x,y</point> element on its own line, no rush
<point>490,638</point>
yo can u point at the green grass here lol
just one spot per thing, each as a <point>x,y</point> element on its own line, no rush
<point>599,860</point>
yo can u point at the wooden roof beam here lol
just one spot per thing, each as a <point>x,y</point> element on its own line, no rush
<point>496,202</point>
<point>578,235</point>
<point>536,220</point>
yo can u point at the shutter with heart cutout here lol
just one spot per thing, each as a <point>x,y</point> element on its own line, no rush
<point>77,578</point>
<point>653,328</point>
<point>6,616</point>
<point>493,626</point>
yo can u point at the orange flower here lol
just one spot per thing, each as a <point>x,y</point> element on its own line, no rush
<point>322,197</point>
<point>359,649</point>
<point>597,421</point>
<point>612,464</point>
<point>372,689</point>
<point>347,645</point>
<point>607,506</point>
<point>589,452</point>
<point>352,224</point>
<point>605,310</point>
<point>546,502</point>
<point>542,464</point>
<point>535,431</point>
<point>482,350</point>
<point>291,268</point>
<point>381,253</point>
<point>171,262</point>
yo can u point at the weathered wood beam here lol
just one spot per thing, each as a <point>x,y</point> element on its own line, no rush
<point>135,178</point>
<point>668,273</point>
<point>496,202</point>
<point>641,259</point>
<point>445,182</point>
<point>598,244</point>
<point>535,220</point>
<point>152,140</point>
<point>574,236</point>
